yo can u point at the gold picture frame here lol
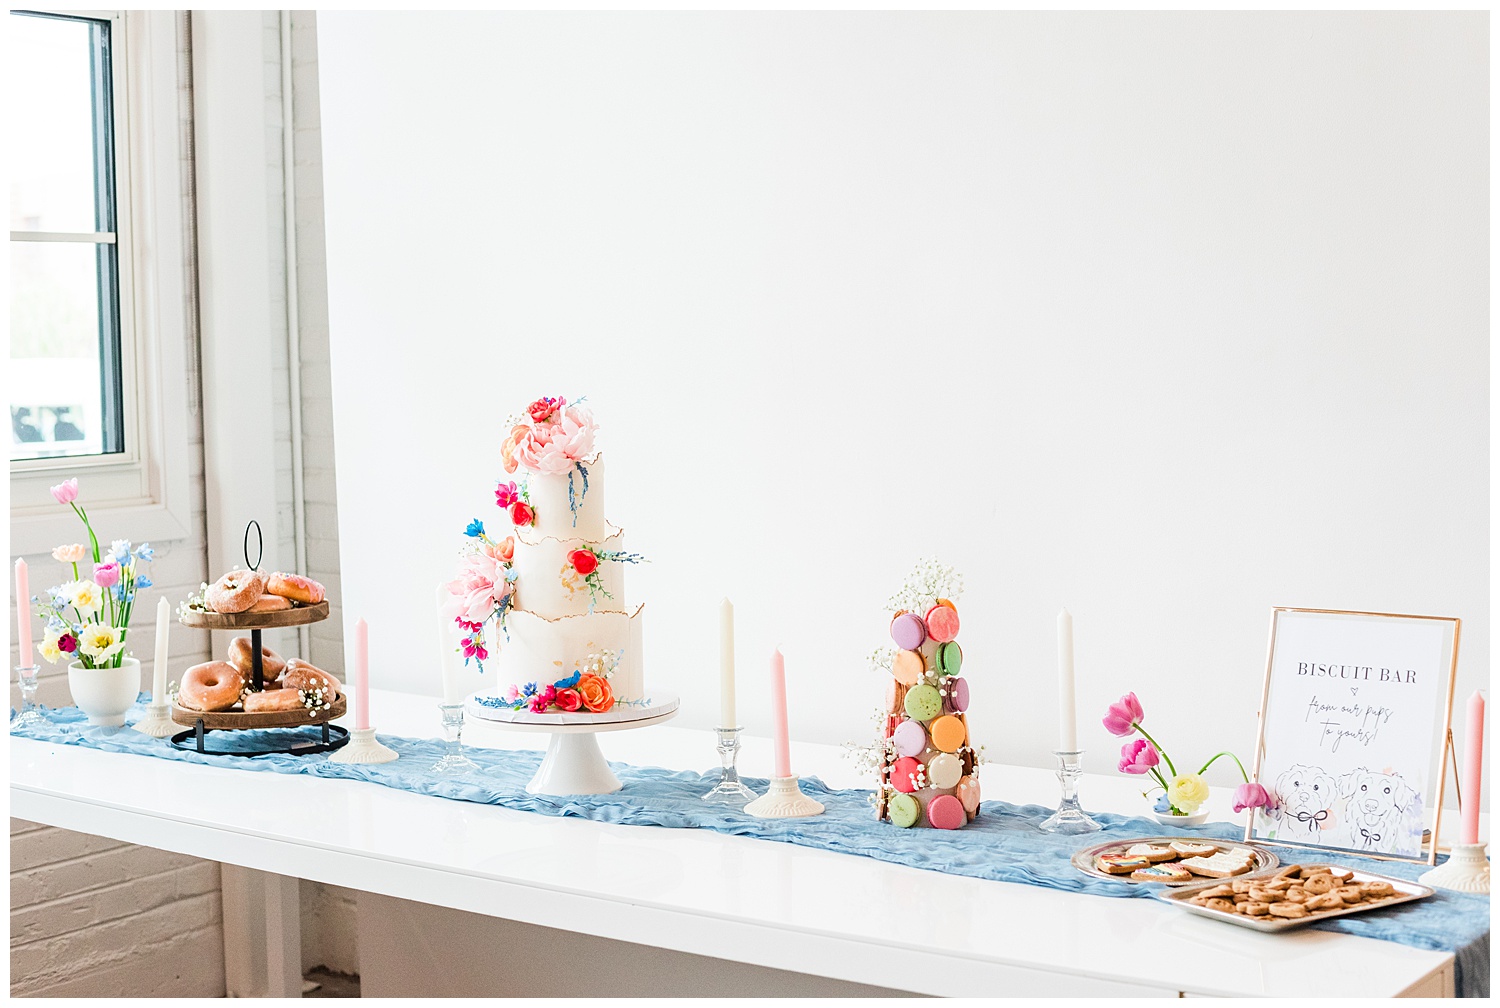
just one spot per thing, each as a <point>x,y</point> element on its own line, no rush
<point>1445,734</point>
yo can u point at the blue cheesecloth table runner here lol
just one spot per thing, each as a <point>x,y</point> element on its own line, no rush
<point>1003,844</point>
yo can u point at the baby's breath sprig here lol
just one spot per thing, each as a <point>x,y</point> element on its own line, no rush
<point>194,603</point>
<point>928,582</point>
<point>882,658</point>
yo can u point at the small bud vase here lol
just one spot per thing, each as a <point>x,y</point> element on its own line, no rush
<point>105,694</point>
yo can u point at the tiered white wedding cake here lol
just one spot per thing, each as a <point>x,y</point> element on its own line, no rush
<point>554,589</point>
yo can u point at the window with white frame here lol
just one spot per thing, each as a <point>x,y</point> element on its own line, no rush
<point>68,344</point>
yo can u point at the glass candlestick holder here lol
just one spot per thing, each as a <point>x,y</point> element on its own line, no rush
<point>454,762</point>
<point>30,714</point>
<point>729,791</point>
<point>1070,817</point>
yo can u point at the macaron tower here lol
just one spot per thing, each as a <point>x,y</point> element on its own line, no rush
<point>929,776</point>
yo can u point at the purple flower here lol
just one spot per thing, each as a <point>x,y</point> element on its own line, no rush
<point>1124,714</point>
<point>506,494</point>
<point>1252,795</point>
<point>1138,756</point>
<point>106,575</point>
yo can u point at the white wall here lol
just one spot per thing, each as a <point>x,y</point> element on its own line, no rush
<point>1168,318</point>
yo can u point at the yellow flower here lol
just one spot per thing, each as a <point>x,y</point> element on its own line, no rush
<point>100,641</point>
<point>87,597</point>
<point>49,650</point>
<point>1187,791</point>
<point>70,554</point>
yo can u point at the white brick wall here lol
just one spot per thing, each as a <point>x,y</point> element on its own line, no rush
<point>95,917</point>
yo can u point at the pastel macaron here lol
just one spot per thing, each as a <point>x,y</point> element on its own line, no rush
<point>908,631</point>
<point>908,667</point>
<point>957,694</point>
<point>949,733</point>
<point>941,623</point>
<point>904,810</point>
<point>902,774</point>
<point>923,703</point>
<point>944,771</point>
<point>968,793</point>
<point>948,658</point>
<point>946,812</point>
<point>909,738</point>
<point>895,696</point>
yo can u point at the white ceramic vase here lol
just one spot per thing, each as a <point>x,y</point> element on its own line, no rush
<point>1167,819</point>
<point>105,694</point>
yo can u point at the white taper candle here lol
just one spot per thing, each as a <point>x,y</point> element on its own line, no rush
<point>1067,707</point>
<point>159,663</point>
<point>726,665</point>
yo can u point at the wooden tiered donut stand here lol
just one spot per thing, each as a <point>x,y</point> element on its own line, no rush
<point>199,723</point>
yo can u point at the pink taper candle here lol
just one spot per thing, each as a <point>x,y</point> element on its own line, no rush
<point>23,613</point>
<point>361,674</point>
<point>1473,764</point>
<point>778,715</point>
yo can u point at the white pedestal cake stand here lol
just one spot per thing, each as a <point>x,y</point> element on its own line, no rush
<point>574,765</point>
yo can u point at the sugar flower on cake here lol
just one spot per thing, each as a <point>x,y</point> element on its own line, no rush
<point>588,690</point>
<point>561,439</point>
<point>585,563</point>
<point>483,591</point>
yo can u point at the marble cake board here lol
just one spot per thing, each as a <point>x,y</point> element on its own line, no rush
<point>574,764</point>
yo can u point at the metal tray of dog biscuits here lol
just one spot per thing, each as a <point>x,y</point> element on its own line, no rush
<point>1405,892</point>
<point>1084,860</point>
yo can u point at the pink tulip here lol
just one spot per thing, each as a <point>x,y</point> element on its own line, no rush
<point>1124,714</point>
<point>66,492</point>
<point>1138,756</point>
<point>1252,795</point>
<point>106,575</point>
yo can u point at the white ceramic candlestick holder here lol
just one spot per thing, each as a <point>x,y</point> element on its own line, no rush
<point>784,800</point>
<point>363,748</point>
<point>158,721</point>
<point>1466,870</point>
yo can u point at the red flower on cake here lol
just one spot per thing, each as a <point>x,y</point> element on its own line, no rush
<point>568,700</point>
<point>543,408</point>
<point>583,561</point>
<point>596,694</point>
<point>521,513</point>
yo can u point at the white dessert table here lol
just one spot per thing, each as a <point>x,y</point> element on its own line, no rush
<point>691,891</point>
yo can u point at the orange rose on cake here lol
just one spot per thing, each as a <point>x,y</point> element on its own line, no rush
<point>597,696</point>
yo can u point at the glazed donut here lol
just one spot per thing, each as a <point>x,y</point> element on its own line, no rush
<point>271,663</point>
<point>300,675</point>
<point>212,686</point>
<point>296,587</point>
<point>270,603</point>
<point>274,700</point>
<point>236,591</point>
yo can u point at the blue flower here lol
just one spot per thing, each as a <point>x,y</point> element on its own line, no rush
<point>143,582</point>
<point>1163,804</point>
<point>145,552</point>
<point>121,548</point>
<point>475,529</point>
<point>569,682</point>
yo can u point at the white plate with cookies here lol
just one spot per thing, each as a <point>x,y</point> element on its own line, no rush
<point>1172,861</point>
<point>1294,895</point>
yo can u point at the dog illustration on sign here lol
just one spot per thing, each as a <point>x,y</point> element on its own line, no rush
<point>1305,797</point>
<point>1383,812</point>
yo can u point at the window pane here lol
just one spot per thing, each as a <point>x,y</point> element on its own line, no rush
<point>56,378</point>
<point>51,101</point>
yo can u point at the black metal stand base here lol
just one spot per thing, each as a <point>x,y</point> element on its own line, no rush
<point>331,737</point>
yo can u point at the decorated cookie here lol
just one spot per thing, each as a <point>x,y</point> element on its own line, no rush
<point>1161,873</point>
<point>944,771</point>
<point>923,702</point>
<point>905,810</point>
<point>948,733</point>
<point>908,631</point>
<point>968,793</point>
<point>942,623</point>
<point>1151,852</point>
<point>909,738</point>
<point>1193,848</point>
<point>904,775</point>
<point>1220,865</point>
<point>956,695</point>
<point>946,812</point>
<point>1119,864</point>
<point>908,667</point>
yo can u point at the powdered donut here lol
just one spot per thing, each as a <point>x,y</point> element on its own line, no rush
<point>299,675</point>
<point>271,663</point>
<point>295,587</point>
<point>212,686</point>
<point>270,603</point>
<point>273,700</point>
<point>236,591</point>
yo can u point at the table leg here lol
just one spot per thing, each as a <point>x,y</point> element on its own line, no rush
<point>262,933</point>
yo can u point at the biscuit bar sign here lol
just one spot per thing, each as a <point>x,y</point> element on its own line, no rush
<point>1353,720</point>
